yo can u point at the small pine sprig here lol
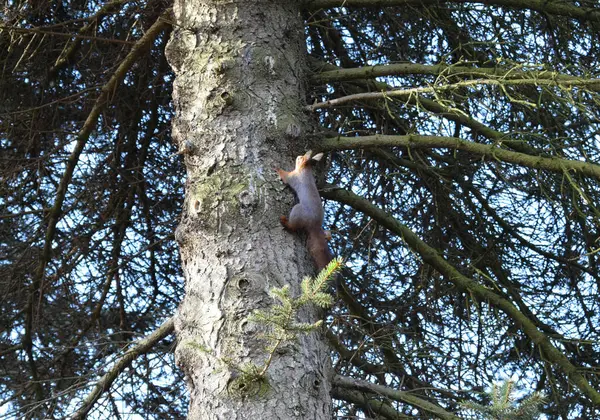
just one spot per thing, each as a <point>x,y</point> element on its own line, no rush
<point>503,406</point>
<point>280,319</point>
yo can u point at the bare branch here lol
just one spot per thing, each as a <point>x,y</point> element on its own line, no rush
<point>369,405</point>
<point>141,347</point>
<point>95,20</point>
<point>55,212</point>
<point>402,396</point>
<point>64,34</point>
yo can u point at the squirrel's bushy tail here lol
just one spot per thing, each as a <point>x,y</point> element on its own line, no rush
<point>318,248</point>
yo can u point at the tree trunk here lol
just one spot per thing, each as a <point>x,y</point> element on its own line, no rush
<point>239,95</point>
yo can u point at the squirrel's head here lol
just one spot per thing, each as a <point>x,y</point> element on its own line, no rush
<point>303,160</point>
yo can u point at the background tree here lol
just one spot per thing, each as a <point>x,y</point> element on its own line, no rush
<point>462,185</point>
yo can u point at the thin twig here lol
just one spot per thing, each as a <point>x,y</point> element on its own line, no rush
<point>36,287</point>
<point>65,34</point>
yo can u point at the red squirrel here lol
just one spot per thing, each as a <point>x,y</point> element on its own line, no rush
<point>308,213</point>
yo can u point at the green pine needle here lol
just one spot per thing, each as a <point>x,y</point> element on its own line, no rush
<point>280,319</point>
<point>503,405</point>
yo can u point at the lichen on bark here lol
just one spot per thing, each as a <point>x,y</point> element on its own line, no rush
<point>239,101</point>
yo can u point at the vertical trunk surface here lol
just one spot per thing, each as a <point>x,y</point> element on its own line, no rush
<point>239,94</point>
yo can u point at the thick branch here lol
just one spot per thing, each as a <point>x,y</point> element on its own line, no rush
<point>590,84</point>
<point>141,347</point>
<point>584,14</point>
<point>369,405</point>
<point>401,396</point>
<point>434,259</point>
<point>445,70</point>
<point>492,151</point>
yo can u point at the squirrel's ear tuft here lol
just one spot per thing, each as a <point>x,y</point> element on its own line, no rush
<point>318,156</point>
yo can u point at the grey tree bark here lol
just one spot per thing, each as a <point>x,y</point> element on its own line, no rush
<point>239,95</point>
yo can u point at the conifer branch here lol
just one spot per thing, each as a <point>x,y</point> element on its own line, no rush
<point>54,214</point>
<point>280,319</point>
<point>104,383</point>
<point>281,327</point>
<point>532,72</point>
<point>503,405</point>
<point>589,84</point>
<point>491,151</point>
<point>584,14</point>
<point>469,285</point>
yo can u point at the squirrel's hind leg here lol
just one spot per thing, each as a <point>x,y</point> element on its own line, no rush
<point>292,223</point>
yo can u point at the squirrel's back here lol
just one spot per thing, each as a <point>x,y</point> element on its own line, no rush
<point>308,213</point>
